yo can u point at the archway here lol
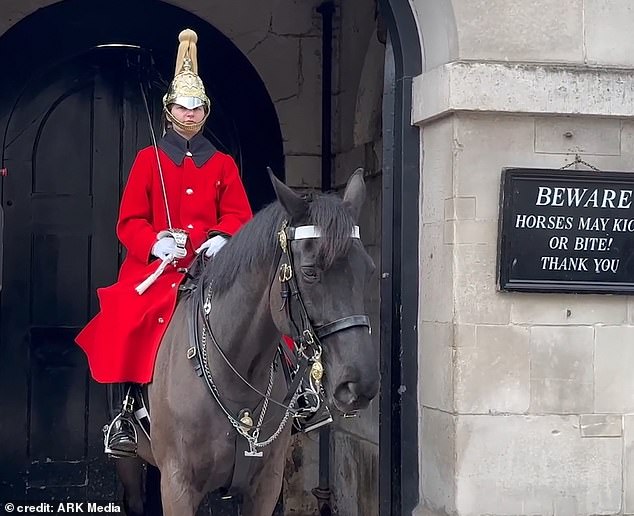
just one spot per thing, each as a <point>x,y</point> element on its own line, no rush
<point>71,118</point>
<point>399,288</point>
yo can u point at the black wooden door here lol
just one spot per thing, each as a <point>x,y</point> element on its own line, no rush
<point>70,142</point>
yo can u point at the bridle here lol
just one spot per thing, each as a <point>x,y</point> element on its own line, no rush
<point>307,338</point>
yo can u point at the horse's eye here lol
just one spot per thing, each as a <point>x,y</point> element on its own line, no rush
<point>309,272</point>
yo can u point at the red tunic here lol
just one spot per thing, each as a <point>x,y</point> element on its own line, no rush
<point>122,340</point>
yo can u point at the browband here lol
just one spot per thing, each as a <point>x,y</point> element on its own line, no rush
<point>302,232</point>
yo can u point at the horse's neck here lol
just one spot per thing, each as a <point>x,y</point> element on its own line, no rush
<point>241,321</point>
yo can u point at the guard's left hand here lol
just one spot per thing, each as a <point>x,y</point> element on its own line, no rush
<point>212,246</point>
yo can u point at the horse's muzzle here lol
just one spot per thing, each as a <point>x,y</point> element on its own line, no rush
<point>351,396</point>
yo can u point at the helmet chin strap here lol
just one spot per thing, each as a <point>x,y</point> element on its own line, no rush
<point>188,127</point>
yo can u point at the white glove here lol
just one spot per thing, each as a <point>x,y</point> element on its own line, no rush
<point>165,249</point>
<point>212,246</point>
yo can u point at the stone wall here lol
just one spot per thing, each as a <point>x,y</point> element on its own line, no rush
<point>358,109</point>
<point>526,399</point>
<point>282,40</point>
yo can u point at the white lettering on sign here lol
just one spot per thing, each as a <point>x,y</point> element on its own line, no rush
<point>593,243</point>
<point>543,222</point>
<point>606,265</point>
<point>593,224</point>
<point>555,263</point>
<point>583,197</point>
<point>623,225</point>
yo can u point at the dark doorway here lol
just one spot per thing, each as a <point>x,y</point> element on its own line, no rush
<point>68,150</point>
<point>71,120</point>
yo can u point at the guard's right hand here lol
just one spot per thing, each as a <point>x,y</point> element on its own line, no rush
<point>165,249</point>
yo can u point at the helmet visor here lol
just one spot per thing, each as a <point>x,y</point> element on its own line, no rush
<point>188,102</point>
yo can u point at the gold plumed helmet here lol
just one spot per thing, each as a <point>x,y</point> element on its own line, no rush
<point>187,89</point>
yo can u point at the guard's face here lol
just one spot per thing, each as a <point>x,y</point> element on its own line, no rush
<point>188,116</point>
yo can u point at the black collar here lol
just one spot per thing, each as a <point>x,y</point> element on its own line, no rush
<point>177,147</point>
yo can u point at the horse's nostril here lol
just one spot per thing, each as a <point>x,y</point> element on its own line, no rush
<point>345,394</point>
<point>354,388</point>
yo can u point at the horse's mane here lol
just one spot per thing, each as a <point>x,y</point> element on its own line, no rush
<point>255,246</point>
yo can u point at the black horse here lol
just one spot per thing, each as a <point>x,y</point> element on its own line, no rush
<point>297,267</point>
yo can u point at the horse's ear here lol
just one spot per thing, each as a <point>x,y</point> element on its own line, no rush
<point>295,205</point>
<point>354,196</point>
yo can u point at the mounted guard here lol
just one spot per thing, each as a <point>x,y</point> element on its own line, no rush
<point>183,196</point>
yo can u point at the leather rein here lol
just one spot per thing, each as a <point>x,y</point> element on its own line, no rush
<point>307,338</point>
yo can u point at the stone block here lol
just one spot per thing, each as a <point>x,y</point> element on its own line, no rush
<point>347,162</point>
<point>298,105</point>
<point>493,376</point>
<point>562,361</point>
<point>554,396</point>
<point>628,464</point>
<point>464,335</point>
<point>460,208</point>
<point>505,30</point>
<point>230,18</point>
<point>601,425</point>
<point>476,298</point>
<point>356,29</point>
<point>475,232</point>
<point>534,464</point>
<point>562,353</point>
<point>626,161</point>
<point>300,122</point>
<point>437,22</point>
<point>618,16</point>
<point>630,309</point>
<point>512,88</point>
<point>437,459</point>
<point>614,381</point>
<point>422,509</point>
<point>303,171</point>
<point>436,366</point>
<point>578,136</point>
<point>295,18</point>
<point>484,146</point>
<point>369,95</point>
<point>437,169</point>
<point>355,475</point>
<point>436,277</point>
<point>563,309</point>
<point>248,40</point>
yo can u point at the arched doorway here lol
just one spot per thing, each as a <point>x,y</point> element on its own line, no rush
<point>71,119</point>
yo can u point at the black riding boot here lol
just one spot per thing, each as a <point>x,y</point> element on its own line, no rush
<point>120,437</point>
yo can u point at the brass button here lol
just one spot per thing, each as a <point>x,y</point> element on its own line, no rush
<point>189,191</point>
<point>161,320</point>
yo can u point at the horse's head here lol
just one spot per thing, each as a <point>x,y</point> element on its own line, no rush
<point>330,269</point>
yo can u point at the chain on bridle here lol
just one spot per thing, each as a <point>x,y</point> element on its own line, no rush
<point>307,339</point>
